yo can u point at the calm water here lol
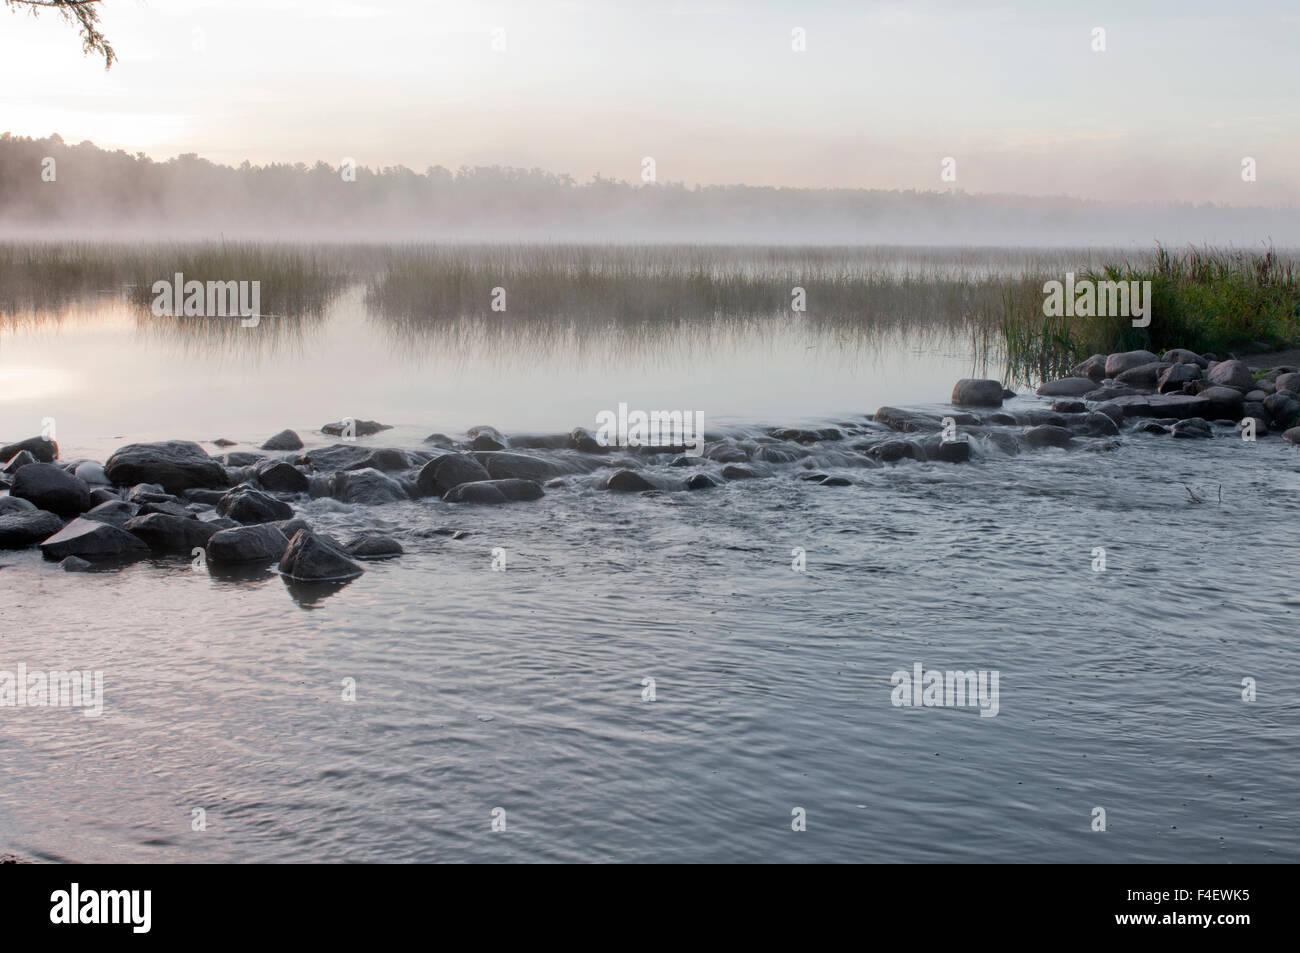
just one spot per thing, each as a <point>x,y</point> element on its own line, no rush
<point>522,689</point>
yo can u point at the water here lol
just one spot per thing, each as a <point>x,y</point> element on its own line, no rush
<point>523,689</point>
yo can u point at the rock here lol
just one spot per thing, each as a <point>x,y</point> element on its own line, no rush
<point>1283,407</point>
<point>494,491</point>
<point>94,542</point>
<point>1289,382</point>
<point>281,477</point>
<point>284,440</point>
<point>685,460</point>
<point>206,497</point>
<point>1222,401</point>
<point>1268,387</point>
<point>75,564</point>
<point>1112,411</point>
<point>373,546</point>
<point>1173,378</point>
<point>701,481</point>
<point>175,465</point>
<point>170,509</point>
<point>367,486</point>
<point>486,442</point>
<point>449,470</point>
<point>1150,426</point>
<point>247,544</point>
<point>1094,368</point>
<point>51,488</point>
<point>311,559</point>
<point>19,460</point>
<point>1256,395</point>
<point>149,493</point>
<point>439,440</point>
<point>977,393</point>
<point>1038,417</point>
<point>907,421</point>
<point>1069,387</point>
<point>1097,424</point>
<point>1001,419</point>
<point>1292,435</point>
<point>949,451</point>
<point>240,459</point>
<point>114,513</point>
<point>735,471</point>
<point>1069,407</point>
<point>358,428</point>
<point>383,460</point>
<point>45,451</point>
<point>582,439</point>
<point>1192,427</point>
<point>27,528</point>
<point>247,505</point>
<point>503,465</point>
<point>1145,376</point>
<point>627,481</point>
<point>1177,406</point>
<point>1047,435</point>
<point>289,527</point>
<point>1117,364</point>
<point>1180,356</point>
<point>102,495</point>
<point>1234,374</point>
<point>11,504</point>
<point>92,474</point>
<point>170,534</point>
<point>891,451</point>
<point>338,456</point>
<point>223,442</point>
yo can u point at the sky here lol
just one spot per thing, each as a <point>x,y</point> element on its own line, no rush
<point>713,91</point>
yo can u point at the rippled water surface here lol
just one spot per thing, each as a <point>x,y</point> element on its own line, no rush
<point>523,689</point>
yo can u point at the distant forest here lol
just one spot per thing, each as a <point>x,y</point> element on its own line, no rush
<point>101,193</point>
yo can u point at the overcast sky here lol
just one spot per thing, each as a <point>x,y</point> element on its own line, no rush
<point>712,90</point>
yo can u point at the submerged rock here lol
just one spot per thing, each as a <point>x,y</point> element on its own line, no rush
<point>311,559</point>
<point>282,477</point>
<point>1047,435</point>
<point>1191,427</point>
<point>247,505</point>
<point>51,488</point>
<point>75,564</point>
<point>1068,387</point>
<point>94,542</point>
<point>495,491</point>
<point>21,529</point>
<point>907,421</point>
<point>701,481</point>
<point>735,471</point>
<point>113,512</point>
<point>175,465</point>
<point>504,465</point>
<point>447,471</point>
<point>627,481</point>
<point>367,486</point>
<point>373,546</point>
<point>170,534</point>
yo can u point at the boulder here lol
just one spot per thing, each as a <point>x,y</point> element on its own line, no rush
<point>1292,436</point>
<point>1117,364</point>
<point>206,497</point>
<point>1098,424</point>
<point>1067,407</point>
<point>1182,356</point>
<point>358,428</point>
<point>383,459</point>
<point>1068,387</point>
<point>1192,427</point>
<point>494,491</point>
<point>113,512</point>
<point>175,465</point>
<point>338,456</point>
<point>948,451</point>
<point>51,488</point>
<point>19,460</point>
<point>94,542</point>
<point>486,442</point>
<point>247,544</point>
<point>1283,407</point>
<point>11,504</point>
<point>504,465</point>
<point>972,392</point>
<point>75,564</point>
<point>92,474</point>
<point>735,471</point>
<point>1046,435</point>
<point>627,481</point>
<point>27,528</point>
<point>170,509</point>
<point>309,558</point>
<point>281,477</point>
<point>1234,374</point>
<point>373,546</point>
<point>583,440</point>
<point>1145,376</point>
<point>1289,382</point>
<point>449,470</point>
<point>907,421</point>
<point>366,486</point>
<point>284,440</point>
<point>839,480</point>
<point>170,534</point>
<point>891,451</point>
<point>1093,368</point>
<point>1177,406</point>
<point>701,481</point>
<point>1223,401</point>
<point>1150,426</point>
<point>246,505</point>
<point>1173,378</point>
<point>45,451</point>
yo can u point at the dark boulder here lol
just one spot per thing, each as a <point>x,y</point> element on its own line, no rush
<point>977,393</point>
<point>309,558</point>
<point>1150,426</point>
<point>11,504</point>
<point>45,451</point>
<point>51,488</point>
<point>1283,407</point>
<point>1117,364</point>
<point>1173,378</point>
<point>367,486</point>
<point>494,491</point>
<point>247,544</point>
<point>246,505</point>
<point>281,477</point>
<point>1097,424</point>
<point>1192,427</point>
<point>1093,368</point>
<point>1181,356</point>
<point>1234,374</point>
<point>170,534</point>
<point>358,428</point>
<point>206,497</point>
<point>891,451</point>
<point>284,440</point>
<point>1047,435</point>
<point>1145,376</point>
<point>449,470</point>
<point>948,451</point>
<point>337,456</point>
<point>627,481</point>
<point>1222,401</point>
<point>486,442</point>
<point>1069,407</point>
<point>175,465</point>
<point>907,421</point>
<point>23,529</point>
<point>1068,387</point>
<point>114,513</point>
<point>736,471</point>
<point>383,459</point>
<point>373,546</point>
<point>94,542</point>
<point>583,440</point>
<point>701,481</point>
<point>19,460</point>
<point>1289,381</point>
<point>75,564</point>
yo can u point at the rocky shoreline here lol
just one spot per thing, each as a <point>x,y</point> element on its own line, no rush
<point>238,509</point>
